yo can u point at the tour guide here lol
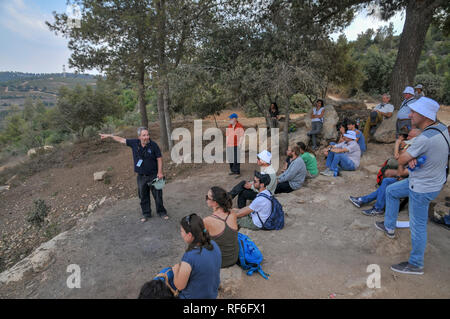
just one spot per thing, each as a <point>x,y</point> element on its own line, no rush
<point>148,166</point>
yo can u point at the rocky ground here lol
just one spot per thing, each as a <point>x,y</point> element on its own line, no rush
<point>323,251</point>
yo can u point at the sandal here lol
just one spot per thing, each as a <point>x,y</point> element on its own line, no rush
<point>143,220</point>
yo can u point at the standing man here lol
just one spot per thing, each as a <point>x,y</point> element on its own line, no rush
<point>148,166</point>
<point>378,114</point>
<point>234,134</point>
<point>424,183</point>
<point>403,113</point>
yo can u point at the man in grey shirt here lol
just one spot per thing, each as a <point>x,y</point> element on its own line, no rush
<point>294,177</point>
<point>381,111</point>
<point>427,159</point>
<point>403,119</point>
<point>345,155</point>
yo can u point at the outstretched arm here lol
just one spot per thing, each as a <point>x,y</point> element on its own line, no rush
<point>115,138</point>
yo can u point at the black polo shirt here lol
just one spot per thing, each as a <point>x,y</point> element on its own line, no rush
<point>148,154</point>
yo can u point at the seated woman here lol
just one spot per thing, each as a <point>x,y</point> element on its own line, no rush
<point>197,276</point>
<point>310,160</point>
<point>294,177</point>
<point>222,225</point>
<point>351,126</point>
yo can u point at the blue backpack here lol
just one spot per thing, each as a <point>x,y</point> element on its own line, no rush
<point>250,256</point>
<point>276,218</point>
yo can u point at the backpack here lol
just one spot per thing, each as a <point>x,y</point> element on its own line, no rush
<point>380,174</point>
<point>250,257</point>
<point>167,276</point>
<point>276,218</point>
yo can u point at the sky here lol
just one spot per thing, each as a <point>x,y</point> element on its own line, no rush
<point>27,45</point>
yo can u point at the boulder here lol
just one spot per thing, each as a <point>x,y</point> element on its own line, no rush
<point>31,152</point>
<point>385,133</point>
<point>99,176</point>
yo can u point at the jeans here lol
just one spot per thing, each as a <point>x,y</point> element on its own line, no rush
<point>144,195</point>
<point>336,160</point>
<point>418,216</point>
<point>316,128</point>
<point>380,194</point>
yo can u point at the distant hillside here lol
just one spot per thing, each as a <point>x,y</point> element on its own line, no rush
<point>16,87</point>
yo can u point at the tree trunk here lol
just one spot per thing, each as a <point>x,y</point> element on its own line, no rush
<point>141,97</point>
<point>418,18</point>
<point>285,140</point>
<point>162,120</point>
<point>167,114</point>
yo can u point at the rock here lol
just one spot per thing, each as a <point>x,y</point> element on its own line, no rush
<point>31,152</point>
<point>358,225</point>
<point>38,261</point>
<point>102,201</point>
<point>91,208</point>
<point>4,188</point>
<point>385,133</point>
<point>331,118</point>
<point>99,176</point>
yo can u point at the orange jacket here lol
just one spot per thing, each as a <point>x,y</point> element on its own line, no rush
<point>234,135</point>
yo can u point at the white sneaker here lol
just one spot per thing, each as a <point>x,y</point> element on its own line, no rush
<point>326,171</point>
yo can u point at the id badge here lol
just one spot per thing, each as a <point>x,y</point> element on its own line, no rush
<point>139,163</point>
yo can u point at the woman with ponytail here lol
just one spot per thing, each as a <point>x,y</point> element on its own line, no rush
<point>222,225</point>
<point>197,276</point>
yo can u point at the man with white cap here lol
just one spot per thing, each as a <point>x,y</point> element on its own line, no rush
<point>294,176</point>
<point>418,91</point>
<point>345,155</point>
<point>246,191</point>
<point>427,159</point>
<point>403,113</point>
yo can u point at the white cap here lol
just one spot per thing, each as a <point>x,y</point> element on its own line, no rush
<point>350,134</point>
<point>426,107</point>
<point>265,156</point>
<point>418,86</point>
<point>408,90</point>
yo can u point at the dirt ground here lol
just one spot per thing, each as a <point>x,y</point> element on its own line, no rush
<point>324,249</point>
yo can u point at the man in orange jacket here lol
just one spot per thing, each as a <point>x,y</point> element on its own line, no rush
<point>234,134</point>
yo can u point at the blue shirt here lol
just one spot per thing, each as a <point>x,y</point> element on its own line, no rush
<point>204,280</point>
<point>403,113</point>
<point>148,154</point>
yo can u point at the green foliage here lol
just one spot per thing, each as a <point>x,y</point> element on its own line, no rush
<point>83,107</point>
<point>433,85</point>
<point>40,211</point>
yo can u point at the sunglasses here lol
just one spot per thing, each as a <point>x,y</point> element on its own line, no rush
<point>188,219</point>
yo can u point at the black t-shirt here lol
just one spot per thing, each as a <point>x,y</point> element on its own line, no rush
<point>148,154</point>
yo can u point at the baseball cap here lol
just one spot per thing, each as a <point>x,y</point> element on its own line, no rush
<point>418,86</point>
<point>351,134</point>
<point>233,116</point>
<point>426,107</point>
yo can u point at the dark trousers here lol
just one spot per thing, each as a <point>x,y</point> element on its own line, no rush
<point>243,194</point>
<point>283,188</point>
<point>235,167</point>
<point>144,195</point>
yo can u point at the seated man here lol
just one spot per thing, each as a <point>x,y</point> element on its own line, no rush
<point>295,174</point>
<point>253,216</point>
<point>380,112</point>
<point>246,190</point>
<point>345,155</point>
<point>379,195</point>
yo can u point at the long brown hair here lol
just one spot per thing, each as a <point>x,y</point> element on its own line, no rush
<point>194,224</point>
<point>222,198</point>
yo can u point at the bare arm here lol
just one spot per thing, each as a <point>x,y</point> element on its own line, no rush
<point>160,168</point>
<point>242,212</point>
<point>115,138</point>
<point>181,273</point>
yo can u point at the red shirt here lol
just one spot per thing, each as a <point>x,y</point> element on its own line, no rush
<point>237,132</point>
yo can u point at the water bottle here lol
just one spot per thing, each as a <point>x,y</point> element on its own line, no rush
<point>420,161</point>
<point>336,172</point>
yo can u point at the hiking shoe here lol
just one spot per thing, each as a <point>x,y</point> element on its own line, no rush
<point>380,226</point>
<point>327,172</point>
<point>407,268</point>
<point>356,201</point>
<point>372,212</point>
